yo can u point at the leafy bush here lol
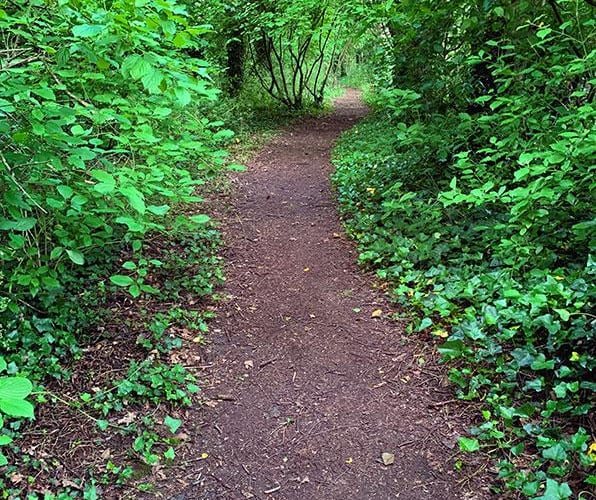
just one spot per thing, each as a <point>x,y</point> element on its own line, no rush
<point>99,143</point>
<point>481,215</point>
<point>104,142</point>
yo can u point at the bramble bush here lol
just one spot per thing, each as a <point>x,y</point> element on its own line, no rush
<point>478,206</point>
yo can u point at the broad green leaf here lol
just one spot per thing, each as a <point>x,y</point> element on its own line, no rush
<point>152,81</point>
<point>88,30</point>
<point>521,173</point>
<point>235,167</point>
<point>50,282</point>
<point>24,224</point>
<point>140,68</point>
<point>103,176</point>
<point>121,280</point>
<point>76,256</point>
<point>65,191</point>
<point>104,188</point>
<point>135,198</point>
<point>200,219</point>
<point>15,387</point>
<point>6,107</point>
<point>158,210</point>
<point>77,130</point>
<point>182,39</point>
<point>46,93</point>
<point>526,158</point>
<point>17,408</point>
<point>543,33</point>
<point>182,95</point>
<point>132,224</point>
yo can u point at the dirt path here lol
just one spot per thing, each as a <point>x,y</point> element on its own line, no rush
<point>306,392</point>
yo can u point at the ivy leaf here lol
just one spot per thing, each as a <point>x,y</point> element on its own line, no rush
<point>424,324</point>
<point>102,424</point>
<point>170,454</point>
<point>451,349</point>
<point>563,313</point>
<point>468,444</point>
<point>555,491</point>
<point>556,453</point>
<point>173,424</point>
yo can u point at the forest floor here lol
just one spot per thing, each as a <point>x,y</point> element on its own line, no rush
<point>305,389</point>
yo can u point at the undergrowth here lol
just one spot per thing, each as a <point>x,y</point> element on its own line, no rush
<point>481,219</point>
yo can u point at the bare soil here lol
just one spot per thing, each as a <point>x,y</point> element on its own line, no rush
<point>305,389</point>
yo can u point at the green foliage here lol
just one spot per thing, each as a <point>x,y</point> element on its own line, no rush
<point>13,391</point>
<point>105,144</point>
<point>150,381</point>
<point>99,144</point>
<point>294,47</point>
<point>471,190</point>
<point>290,48</point>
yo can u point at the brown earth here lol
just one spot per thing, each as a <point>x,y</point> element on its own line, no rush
<point>306,389</point>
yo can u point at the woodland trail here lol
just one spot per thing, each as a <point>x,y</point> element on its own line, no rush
<point>304,392</point>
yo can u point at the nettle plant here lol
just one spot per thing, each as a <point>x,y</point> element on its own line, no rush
<point>100,139</point>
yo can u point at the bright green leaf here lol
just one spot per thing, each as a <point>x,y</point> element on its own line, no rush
<point>121,280</point>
